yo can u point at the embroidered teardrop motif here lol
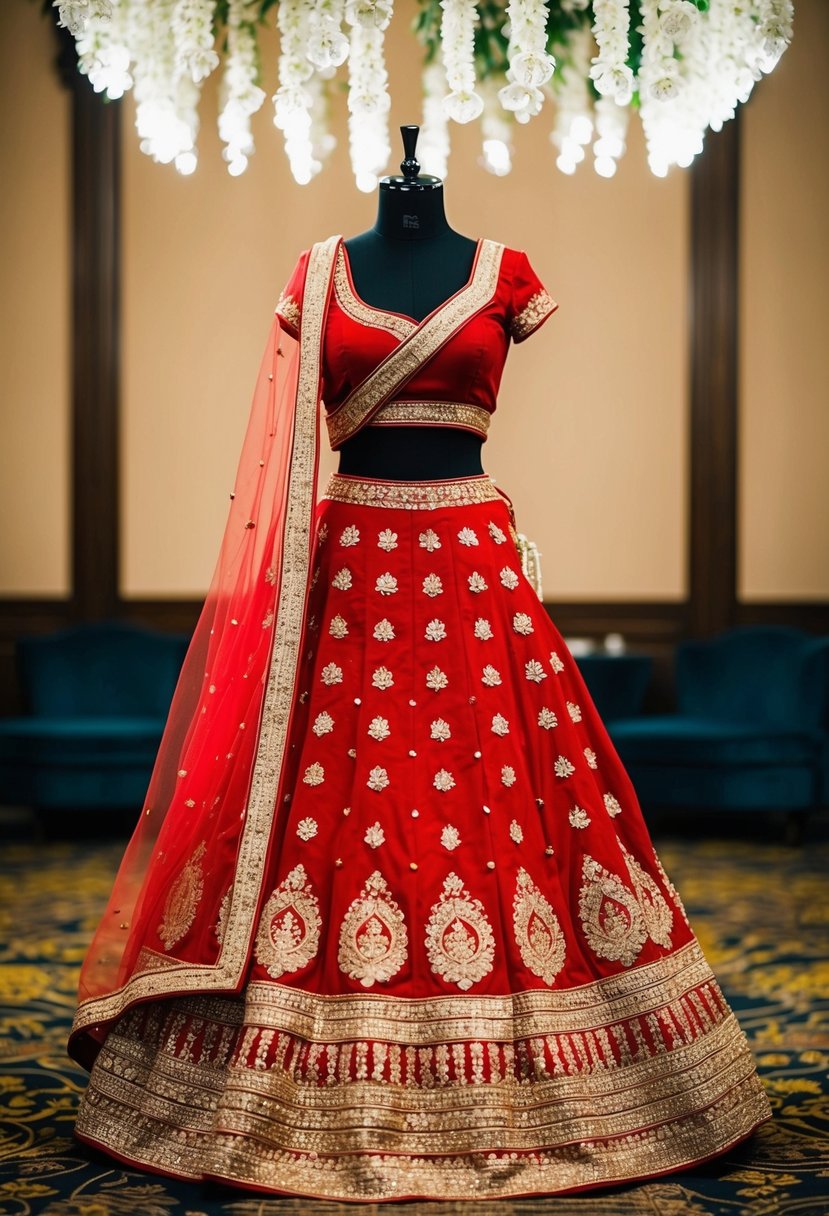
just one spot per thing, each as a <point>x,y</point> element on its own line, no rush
<point>655,910</point>
<point>459,939</point>
<point>373,935</point>
<point>610,915</point>
<point>669,886</point>
<point>537,930</point>
<point>182,900</point>
<point>220,926</point>
<point>289,929</point>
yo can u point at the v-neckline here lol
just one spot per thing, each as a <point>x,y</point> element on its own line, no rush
<point>402,316</point>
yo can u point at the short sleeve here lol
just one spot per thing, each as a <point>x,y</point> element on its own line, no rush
<point>531,303</point>
<point>289,304</point>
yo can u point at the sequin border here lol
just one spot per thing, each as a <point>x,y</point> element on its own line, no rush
<point>409,495</point>
<point>433,413</point>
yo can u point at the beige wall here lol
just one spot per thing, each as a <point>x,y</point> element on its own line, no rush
<point>784,354</point>
<point>34,311</point>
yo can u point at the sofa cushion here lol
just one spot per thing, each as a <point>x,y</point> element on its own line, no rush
<point>680,739</point>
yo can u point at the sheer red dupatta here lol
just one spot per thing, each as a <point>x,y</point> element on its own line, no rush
<point>184,903</point>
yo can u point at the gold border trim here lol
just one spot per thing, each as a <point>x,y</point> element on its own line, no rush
<point>363,313</point>
<point>433,413</point>
<point>409,495</point>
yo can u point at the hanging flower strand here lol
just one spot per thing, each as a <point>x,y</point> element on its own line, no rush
<point>75,15</point>
<point>457,32</point>
<point>530,64</point>
<point>609,71</point>
<point>240,96</point>
<point>368,97</point>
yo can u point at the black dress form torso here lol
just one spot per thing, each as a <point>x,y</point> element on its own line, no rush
<point>410,262</point>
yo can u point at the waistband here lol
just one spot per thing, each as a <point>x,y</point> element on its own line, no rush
<point>433,413</point>
<point>413,495</point>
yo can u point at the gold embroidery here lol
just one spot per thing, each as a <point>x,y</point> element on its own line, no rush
<point>610,915</point>
<point>655,910</point>
<point>363,313</point>
<point>459,939</point>
<point>434,413</point>
<point>411,495</point>
<point>537,930</point>
<point>224,908</point>
<point>288,308</point>
<point>373,935</point>
<point>289,929</point>
<point>182,900</point>
<point>540,305</point>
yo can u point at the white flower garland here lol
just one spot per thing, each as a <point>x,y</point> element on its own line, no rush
<point>496,129</point>
<point>76,15</point>
<point>103,54</point>
<point>574,109</point>
<point>530,65</point>
<point>239,95</point>
<point>433,142</point>
<point>193,38</point>
<point>457,34</point>
<point>609,71</point>
<point>368,97</point>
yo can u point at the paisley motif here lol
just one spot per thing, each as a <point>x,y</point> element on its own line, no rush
<point>459,939</point>
<point>289,928</point>
<point>610,915</point>
<point>182,900</point>
<point>537,930</point>
<point>373,935</point>
<point>655,910</point>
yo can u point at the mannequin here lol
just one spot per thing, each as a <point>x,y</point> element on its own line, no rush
<point>410,262</point>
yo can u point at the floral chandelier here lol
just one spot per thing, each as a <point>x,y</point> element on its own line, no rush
<point>683,64</point>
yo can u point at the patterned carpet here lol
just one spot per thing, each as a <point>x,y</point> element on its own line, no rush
<point>760,910</point>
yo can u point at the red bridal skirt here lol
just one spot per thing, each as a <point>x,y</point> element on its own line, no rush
<point>471,975</point>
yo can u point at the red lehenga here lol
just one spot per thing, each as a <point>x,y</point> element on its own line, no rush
<point>391,924</point>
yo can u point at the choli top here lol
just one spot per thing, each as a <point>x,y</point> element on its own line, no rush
<point>385,368</point>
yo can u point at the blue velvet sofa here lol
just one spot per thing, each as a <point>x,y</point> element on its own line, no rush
<point>96,698</point>
<point>751,728</point>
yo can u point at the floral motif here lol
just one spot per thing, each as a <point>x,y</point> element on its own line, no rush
<point>497,534</point>
<point>306,828</point>
<point>459,940</point>
<point>556,663</point>
<point>537,930</point>
<point>440,730</point>
<point>267,620</point>
<point>429,540</point>
<point>450,837</point>
<point>491,676</point>
<point>323,724</point>
<point>379,728</point>
<point>384,631</point>
<point>435,630</point>
<point>516,832</point>
<point>508,777</point>
<point>467,537</point>
<point>590,757</point>
<point>314,774</point>
<point>289,929</point>
<point>387,540</point>
<point>342,579</point>
<point>378,779</point>
<point>579,817</point>
<point>656,911</point>
<point>612,806</point>
<point>382,678</point>
<point>375,836</point>
<point>443,780</point>
<point>534,671</point>
<point>386,584</point>
<point>331,674</point>
<point>220,927</point>
<point>182,900</point>
<point>322,535</point>
<point>563,767</point>
<point>547,718</point>
<point>477,582</point>
<point>373,935</point>
<point>500,726</point>
<point>432,585</point>
<point>509,578</point>
<point>610,915</point>
<point>349,536</point>
<point>522,623</point>
<point>483,629</point>
<point>436,679</point>
<point>574,711</point>
<point>338,627</point>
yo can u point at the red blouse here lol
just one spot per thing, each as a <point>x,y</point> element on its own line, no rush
<point>459,350</point>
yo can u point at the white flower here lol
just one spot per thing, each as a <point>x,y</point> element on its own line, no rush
<point>457,37</point>
<point>383,631</point>
<point>477,582</point>
<point>496,533</point>
<point>574,711</point>
<point>556,663</point>
<point>436,679</point>
<point>467,537</point>
<point>563,767</point>
<point>509,578</point>
<point>516,831</point>
<point>332,674</point>
<point>530,64</point>
<point>579,817</point>
<point>522,623</point>
<point>534,671</point>
<point>387,540</point>
<point>306,828</point>
<point>342,579</point>
<point>323,724</point>
<point>483,629</point>
<point>500,726</point>
<point>590,757</point>
<point>386,584</point>
<point>379,728</point>
<point>349,536</point>
<point>432,585</point>
<point>382,678</point>
<point>368,97</point>
<point>440,730</point>
<point>450,837</point>
<point>429,540</point>
<point>378,779</point>
<point>508,775</point>
<point>314,774</point>
<point>491,676</point>
<point>435,630</point>
<point>547,718</point>
<point>612,805</point>
<point>433,144</point>
<point>609,71</point>
<point>338,627</point>
<point>374,835</point>
<point>443,780</point>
